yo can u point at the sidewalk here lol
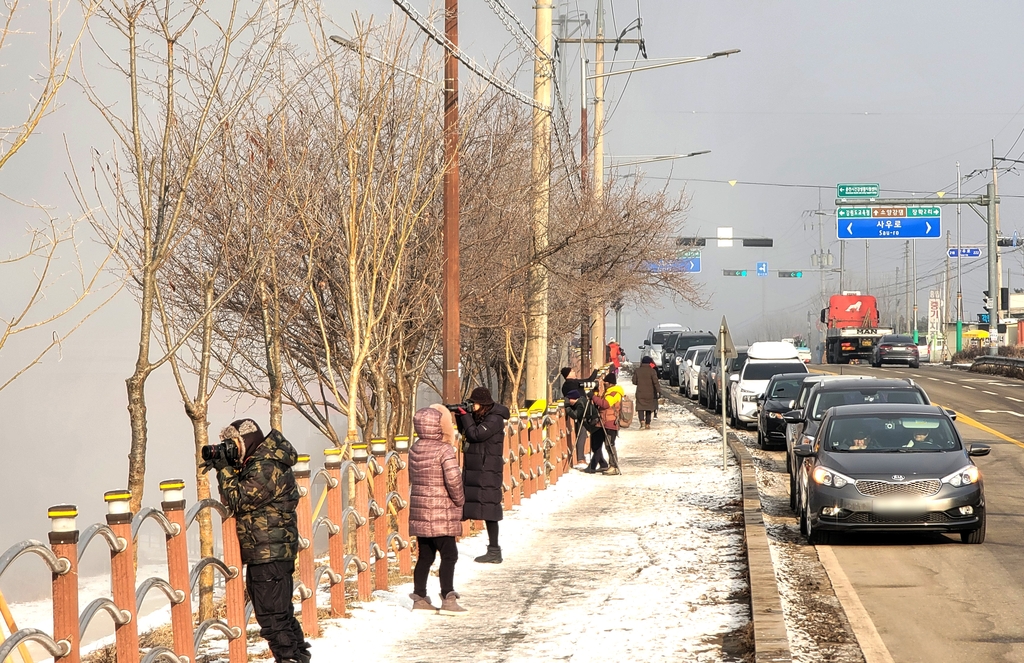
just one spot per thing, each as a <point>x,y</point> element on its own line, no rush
<point>646,566</point>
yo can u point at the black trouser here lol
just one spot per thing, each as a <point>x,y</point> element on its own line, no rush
<point>428,549</point>
<point>645,416</point>
<point>270,590</point>
<point>492,533</point>
<point>597,460</point>
<point>581,445</point>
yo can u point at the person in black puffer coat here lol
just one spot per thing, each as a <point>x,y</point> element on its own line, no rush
<point>484,432</point>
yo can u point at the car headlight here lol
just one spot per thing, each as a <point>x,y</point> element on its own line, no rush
<point>827,477</point>
<point>749,398</point>
<point>963,477</point>
<point>775,415</point>
<point>679,360</point>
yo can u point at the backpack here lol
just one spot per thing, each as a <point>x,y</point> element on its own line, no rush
<point>625,411</point>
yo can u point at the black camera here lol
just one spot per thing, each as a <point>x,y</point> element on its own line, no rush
<point>467,405</point>
<point>225,451</point>
<point>588,384</point>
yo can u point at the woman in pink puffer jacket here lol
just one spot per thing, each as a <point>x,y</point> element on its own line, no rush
<point>435,506</point>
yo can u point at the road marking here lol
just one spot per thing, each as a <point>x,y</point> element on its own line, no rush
<point>967,386</point>
<point>990,393</point>
<point>1015,399</point>
<point>934,379</point>
<point>1016,414</point>
<point>864,630</point>
<point>948,382</point>
<point>962,418</point>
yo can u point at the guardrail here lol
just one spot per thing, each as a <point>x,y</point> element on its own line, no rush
<point>537,451</point>
<point>998,361</point>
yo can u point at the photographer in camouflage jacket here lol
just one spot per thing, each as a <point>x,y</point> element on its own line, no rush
<point>260,490</point>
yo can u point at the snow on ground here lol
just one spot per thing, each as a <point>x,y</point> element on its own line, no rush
<point>646,566</point>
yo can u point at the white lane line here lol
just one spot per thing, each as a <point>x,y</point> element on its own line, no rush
<point>990,393</point>
<point>864,630</point>
<point>1017,400</point>
<point>948,382</point>
<point>934,379</point>
<point>967,386</point>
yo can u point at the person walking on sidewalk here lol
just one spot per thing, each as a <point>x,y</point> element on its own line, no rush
<point>484,432</point>
<point>607,398</point>
<point>648,390</point>
<point>436,497</point>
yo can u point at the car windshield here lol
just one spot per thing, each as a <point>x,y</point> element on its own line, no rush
<point>786,389</point>
<point>898,340</point>
<point>659,338</point>
<point>885,433</point>
<point>736,363</point>
<point>824,400</point>
<point>701,354</point>
<point>768,370</point>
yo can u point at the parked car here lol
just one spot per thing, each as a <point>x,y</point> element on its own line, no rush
<point>706,381</point>
<point>889,467</point>
<point>689,369</point>
<point>676,347</point>
<point>735,365</point>
<point>779,398</point>
<point>895,348</point>
<point>764,360</point>
<point>655,339</point>
<point>825,394</point>
<point>667,353</point>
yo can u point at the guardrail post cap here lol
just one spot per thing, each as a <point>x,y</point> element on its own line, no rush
<point>379,446</point>
<point>332,457</point>
<point>62,518</point>
<point>173,490</point>
<point>117,502</point>
<point>402,443</point>
<point>359,452</point>
<point>302,463</point>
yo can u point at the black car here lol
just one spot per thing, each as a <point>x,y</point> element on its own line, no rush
<point>887,468</point>
<point>666,353</point>
<point>779,397</point>
<point>893,348</point>
<point>674,350</point>
<point>833,392</point>
<point>706,379</point>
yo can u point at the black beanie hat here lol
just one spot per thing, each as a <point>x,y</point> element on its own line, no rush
<point>610,379</point>
<point>565,372</point>
<point>482,396</point>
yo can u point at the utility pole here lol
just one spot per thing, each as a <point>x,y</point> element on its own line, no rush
<point>945,282</point>
<point>450,387</point>
<point>998,308</point>
<point>906,293</point>
<point>914,279</point>
<point>959,274</point>
<point>993,270</point>
<point>867,268</point>
<point>537,295</point>
<point>598,313</point>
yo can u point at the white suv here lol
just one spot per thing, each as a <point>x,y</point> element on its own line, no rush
<point>765,359</point>
<point>656,337</point>
<point>689,369</point>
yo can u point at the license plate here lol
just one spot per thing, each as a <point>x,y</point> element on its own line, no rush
<point>896,505</point>
<point>866,343</point>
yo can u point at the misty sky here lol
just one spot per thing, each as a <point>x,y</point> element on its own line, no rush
<point>822,93</point>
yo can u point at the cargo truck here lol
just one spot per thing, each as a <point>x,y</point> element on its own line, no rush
<point>852,329</point>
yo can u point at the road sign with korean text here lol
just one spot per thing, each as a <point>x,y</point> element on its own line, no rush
<point>857,190</point>
<point>898,222</point>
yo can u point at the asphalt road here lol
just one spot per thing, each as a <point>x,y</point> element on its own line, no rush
<point>931,597</point>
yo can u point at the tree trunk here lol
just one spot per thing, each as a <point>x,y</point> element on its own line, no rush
<point>272,340</point>
<point>200,432</point>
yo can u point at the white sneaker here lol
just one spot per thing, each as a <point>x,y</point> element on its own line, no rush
<point>579,466</point>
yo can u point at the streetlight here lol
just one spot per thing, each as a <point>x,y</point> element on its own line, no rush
<point>670,63</point>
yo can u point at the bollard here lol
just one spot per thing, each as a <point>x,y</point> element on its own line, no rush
<point>402,487</point>
<point>506,468</point>
<point>360,456</point>
<point>234,591</point>
<point>173,506</point>
<point>379,471</point>
<point>336,535</point>
<point>122,574</point>
<point>304,514</point>
<point>63,543</point>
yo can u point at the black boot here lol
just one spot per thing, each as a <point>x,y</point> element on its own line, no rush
<point>493,556</point>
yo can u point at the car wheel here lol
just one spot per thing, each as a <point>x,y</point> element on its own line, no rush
<point>916,365</point>
<point>876,364</point>
<point>976,535</point>
<point>682,390</point>
<point>817,537</point>
<point>792,498</point>
<point>733,421</point>
<point>760,439</point>
<point>789,466</point>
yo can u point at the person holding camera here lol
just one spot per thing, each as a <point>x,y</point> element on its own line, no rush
<point>483,429</point>
<point>436,497</point>
<point>254,475</point>
<point>607,397</point>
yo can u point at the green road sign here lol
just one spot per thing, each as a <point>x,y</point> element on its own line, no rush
<point>854,212</point>
<point>857,191</point>
<point>687,254</point>
<point>734,272</point>
<point>791,275</point>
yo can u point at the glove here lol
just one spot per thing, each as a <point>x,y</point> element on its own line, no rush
<point>462,411</point>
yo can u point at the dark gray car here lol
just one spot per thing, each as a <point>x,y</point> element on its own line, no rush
<point>887,468</point>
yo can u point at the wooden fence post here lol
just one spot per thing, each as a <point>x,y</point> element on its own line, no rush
<point>304,513</point>
<point>234,591</point>
<point>379,471</point>
<point>173,506</point>
<point>122,574</point>
<point>402,487</point>
<point>336,535</point>
<point>364,586</point>
<point>64,544</point>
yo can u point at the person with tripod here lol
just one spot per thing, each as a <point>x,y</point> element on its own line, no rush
<point>607,396</point>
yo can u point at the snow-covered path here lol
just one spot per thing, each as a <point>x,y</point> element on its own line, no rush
<point>647,566</point>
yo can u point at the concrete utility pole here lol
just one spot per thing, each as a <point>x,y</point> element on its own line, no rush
<point>450,387</point>
<point>998,308</point>
<point>906,294</point>
<point>537,296</point>
<point>597,315</point>
<point>993,269</point>
<point>913,248</point>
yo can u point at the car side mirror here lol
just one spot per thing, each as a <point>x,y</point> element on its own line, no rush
<point>803,450</point>
<point>795,417</point>
<point>639,347</point>
<point>734,377</point>
<point>952,414</point>
<point>979,450</point>
<point>760,398</point>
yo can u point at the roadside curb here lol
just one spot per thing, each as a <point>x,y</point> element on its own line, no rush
<point>771,639</point>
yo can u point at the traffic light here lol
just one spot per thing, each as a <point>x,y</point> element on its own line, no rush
<point>758,241</point>
<point>734,272</point>
<point>986,301</point>
<point>790,275</point>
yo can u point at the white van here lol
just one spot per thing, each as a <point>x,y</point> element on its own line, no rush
<point>765,359</point>
<point>655,339</point>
